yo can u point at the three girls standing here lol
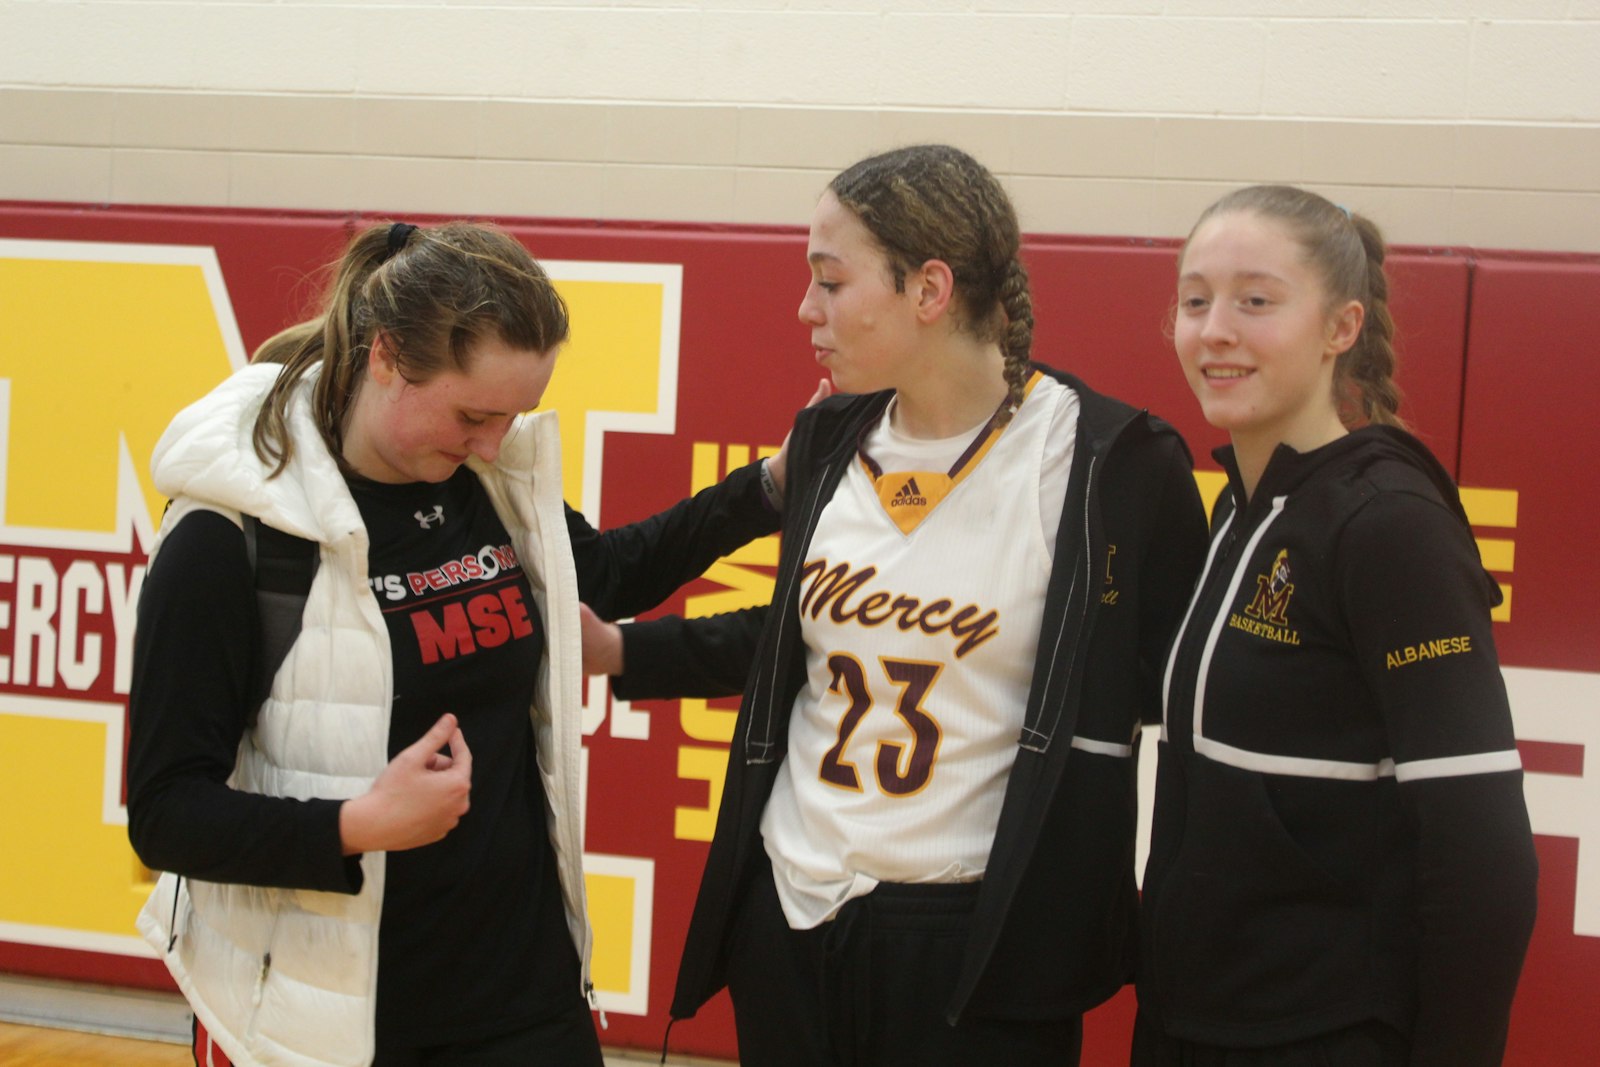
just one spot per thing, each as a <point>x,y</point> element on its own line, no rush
<point>924,851</point>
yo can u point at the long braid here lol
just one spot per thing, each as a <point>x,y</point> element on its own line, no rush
<point>1369,365</point>
<point>1017,301</point>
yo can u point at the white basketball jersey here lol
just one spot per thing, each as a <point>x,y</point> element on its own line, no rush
<point>920,640</point>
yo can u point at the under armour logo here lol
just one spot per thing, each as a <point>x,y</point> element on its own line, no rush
<point>427,522</point>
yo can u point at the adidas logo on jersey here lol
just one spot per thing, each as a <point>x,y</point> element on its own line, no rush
<point>909,496</point>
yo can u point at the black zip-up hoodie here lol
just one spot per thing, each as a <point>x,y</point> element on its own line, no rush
<point>1340,833</point>
<point>1053,931</point>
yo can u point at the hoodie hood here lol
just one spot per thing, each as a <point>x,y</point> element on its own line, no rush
<point>1364,453</point>
<point>1389,442</point>
<point>1359,449</point>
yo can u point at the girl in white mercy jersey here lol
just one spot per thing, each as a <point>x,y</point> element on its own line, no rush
<point>924,849</point>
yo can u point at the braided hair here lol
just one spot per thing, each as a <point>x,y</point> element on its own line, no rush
<point>937,202</point>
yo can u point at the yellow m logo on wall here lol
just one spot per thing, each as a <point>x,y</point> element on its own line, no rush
<point>100,344</point>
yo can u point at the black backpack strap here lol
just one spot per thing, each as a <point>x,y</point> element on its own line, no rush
<point>283,566</point>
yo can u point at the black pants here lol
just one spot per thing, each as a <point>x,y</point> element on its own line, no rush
<point>566,1039</point>
<point>1368,1044</point>
<point>870,988</point>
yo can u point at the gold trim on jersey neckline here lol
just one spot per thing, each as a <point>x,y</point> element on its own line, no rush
<point>908,497</point>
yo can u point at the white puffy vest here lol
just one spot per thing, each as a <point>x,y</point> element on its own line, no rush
<point>283,977</point>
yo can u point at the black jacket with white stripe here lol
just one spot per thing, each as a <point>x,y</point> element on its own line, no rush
<point>1340,832</point>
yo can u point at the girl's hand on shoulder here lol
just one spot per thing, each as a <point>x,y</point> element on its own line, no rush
<point>417,800</point>
<point>777,465</point>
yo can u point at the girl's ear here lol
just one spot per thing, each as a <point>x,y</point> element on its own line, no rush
<point>380,361</point>
<point>1345,326</point>
<point>934,286</point>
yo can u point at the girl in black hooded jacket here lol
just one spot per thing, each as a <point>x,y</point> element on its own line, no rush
<point>1342,869</point>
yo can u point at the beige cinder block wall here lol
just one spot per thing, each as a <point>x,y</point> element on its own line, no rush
<point>1459,122</point>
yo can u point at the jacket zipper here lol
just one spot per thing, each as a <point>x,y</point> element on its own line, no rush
<point>1221,546</point>
<point>817,501</point>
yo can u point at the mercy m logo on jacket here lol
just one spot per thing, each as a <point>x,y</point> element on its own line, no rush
<point>1267,614</point>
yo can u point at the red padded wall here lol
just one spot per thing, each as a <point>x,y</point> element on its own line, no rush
<point>1496,366</point>
<point>1529,424</point>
